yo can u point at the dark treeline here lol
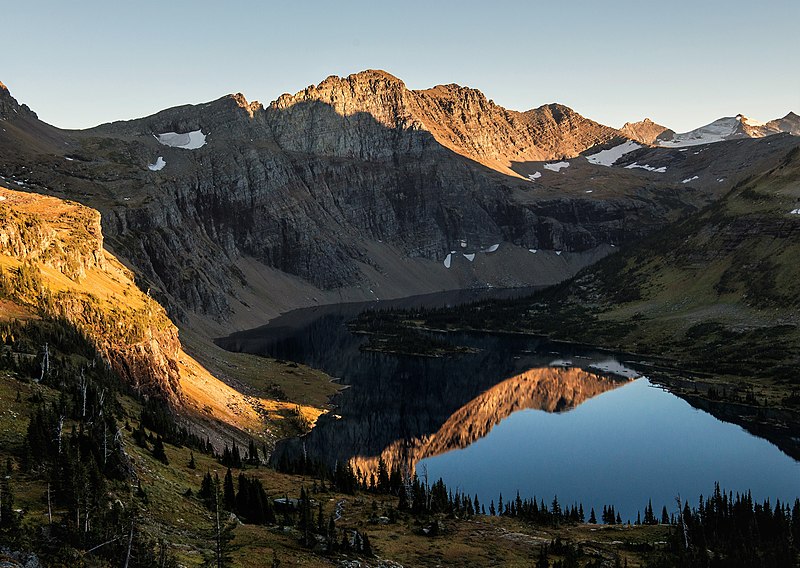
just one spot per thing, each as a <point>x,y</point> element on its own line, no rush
<point>724,530</point>
<point>734,531</point>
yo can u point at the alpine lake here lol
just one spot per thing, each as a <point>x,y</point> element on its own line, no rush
<point>516,414</point>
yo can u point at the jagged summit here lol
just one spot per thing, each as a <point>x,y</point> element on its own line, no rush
<point>645,131</point>
<point>789,123</point>
<point>726,128</point>
<point>461,119</point>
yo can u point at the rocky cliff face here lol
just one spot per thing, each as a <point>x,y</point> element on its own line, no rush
<point>71,276</point>
<point>29,238</point>
<point>789,123</point>
<point>379,107</point>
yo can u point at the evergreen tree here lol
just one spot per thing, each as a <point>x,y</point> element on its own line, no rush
<point>158,451</point>
<point>228,493</point>
<point>222,530</point>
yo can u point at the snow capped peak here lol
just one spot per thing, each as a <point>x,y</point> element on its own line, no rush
<point>749,121</point>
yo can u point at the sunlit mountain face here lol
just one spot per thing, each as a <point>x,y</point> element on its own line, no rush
<point>549,389</point>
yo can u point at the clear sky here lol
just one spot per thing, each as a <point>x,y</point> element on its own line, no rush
<point>682,63</point>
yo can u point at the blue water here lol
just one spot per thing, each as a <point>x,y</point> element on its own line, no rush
<point>622,447</point>
<point>625,446</point>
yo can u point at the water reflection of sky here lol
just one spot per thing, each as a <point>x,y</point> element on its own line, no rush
<point>622,447</point>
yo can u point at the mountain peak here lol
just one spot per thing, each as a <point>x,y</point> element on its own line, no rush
<point>9,107</point>
<point>645,131</point>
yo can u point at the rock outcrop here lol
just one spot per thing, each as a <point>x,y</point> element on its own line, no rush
<point>645,131</point>
<point>88,288</point>
<point>10,108</point>
<point>789,123</point>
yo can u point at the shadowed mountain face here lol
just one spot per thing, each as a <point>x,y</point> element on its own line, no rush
<point>550,389</point>
<point>358,188</point>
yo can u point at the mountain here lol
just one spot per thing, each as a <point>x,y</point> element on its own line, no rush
<point>357,188</point>
<point>789,123</point>
<point>136,242</point>
<point>728,128</point>
<point>458,118</point>
<point>645,131</point>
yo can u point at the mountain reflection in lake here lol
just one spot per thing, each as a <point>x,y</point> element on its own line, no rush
<point>518,414</point>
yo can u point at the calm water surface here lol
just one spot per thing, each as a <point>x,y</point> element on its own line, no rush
<point>520,414</point>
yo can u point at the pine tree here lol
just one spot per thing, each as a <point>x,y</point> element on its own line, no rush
<point>192,464</point>
<point>158,451</point>
<point>229,495</point>
<point>222,530</point>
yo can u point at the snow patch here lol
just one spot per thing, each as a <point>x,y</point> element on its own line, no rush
<point>794,212</point>
<point>558,252</point>
<point>159,165</point>
<point>491,248</point>
<point>660,170</point>
<point>188,141</point>
<point>717,131</point>
<point>556,166</point>
<point>589,190</point>
<point>470,257</point>
<point>687,180</point>
<point>67,158</point>
<point>751,121</point>
<point>615,368</point>
<point>534,176</point>
<point>447,260</point>
<point>608,157</point>
<point>2,197</point>
<point>534,251</point>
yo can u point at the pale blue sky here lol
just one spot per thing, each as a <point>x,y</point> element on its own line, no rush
<point>682,63</point>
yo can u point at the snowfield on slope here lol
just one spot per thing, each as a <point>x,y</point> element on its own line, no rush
<point>556,166</point>
<point>159,165</point>
<point>188,140</point>
<point>608,157</point>
<point>717,131</point>
<point>660,170</point>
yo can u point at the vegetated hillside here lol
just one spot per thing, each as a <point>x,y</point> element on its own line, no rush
<point>717,292</point>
